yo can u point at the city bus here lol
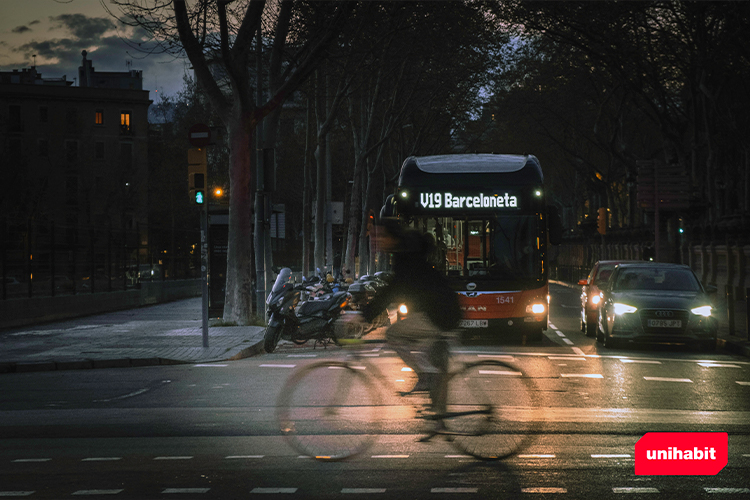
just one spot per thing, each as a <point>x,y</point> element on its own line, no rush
<point>492,230</point>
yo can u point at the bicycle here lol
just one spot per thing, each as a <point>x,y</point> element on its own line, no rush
<point>333,410</point>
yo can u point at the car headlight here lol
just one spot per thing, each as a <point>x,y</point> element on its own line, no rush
<point>535,308</point>
<point>595,299</point>
<point>403,309</point>
<point>621,309</point>
<point>702,311</point>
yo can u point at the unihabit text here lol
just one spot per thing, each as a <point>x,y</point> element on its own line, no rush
<point>449,200</point>
<point>672,453</point>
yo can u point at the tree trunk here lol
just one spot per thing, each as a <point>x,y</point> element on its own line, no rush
<point>240,266</point>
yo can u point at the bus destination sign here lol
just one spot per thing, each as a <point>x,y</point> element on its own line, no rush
<point>468,201</point>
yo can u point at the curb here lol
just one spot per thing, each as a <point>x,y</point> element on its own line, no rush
<point>92,364</point>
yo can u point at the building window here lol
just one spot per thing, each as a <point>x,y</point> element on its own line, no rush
<point>43,114</point>
<point>99,152</point>
<point>125,121</point>
<point>71,117</point>
<point>14,118</point>
<point>43,148</point>
<point>71,151</point>
<point>126,156</point>
<point>99,117</point>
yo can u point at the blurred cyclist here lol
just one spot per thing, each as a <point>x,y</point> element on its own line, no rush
<point>432,304</point>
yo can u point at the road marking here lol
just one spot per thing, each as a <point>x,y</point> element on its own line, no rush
<point>536,456</point>
<point>624,455</point>
<point>717,365</point>
<point>273,490</point>
<point>635,490</point>
<point>641,361</point>
<point>101,459</point>
<point>302,356</point>
<point>505,357</point>
<point>579,351</point>
<point>277,366</point>
<point>582,375</point>
<point>567,341</point>
<point>97,492</point>
<point>727,490</point>
<point>499,372</point>
<point>236,457</point>
<point>568,358</point>
<point>16,493</point>
<point>560,334</point>
<point>458,456</point>
<point>124,396</point>
<point>345,367</point>
<point>543,490</point>
<point>186,490</point>
<point>743,383</point>
<point>553,326</point>
<point>201,365</point>
<point>363,490</point>
<point>28,460</point>
<point>173,458</point>
<point>454,490</point>
<point>390,456</point>
<point>666,379</point>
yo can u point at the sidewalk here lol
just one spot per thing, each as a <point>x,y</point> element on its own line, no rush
<point>737,344</point>
<point>163,334</point>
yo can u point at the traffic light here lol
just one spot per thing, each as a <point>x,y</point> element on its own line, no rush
<point>197,167</point>
<point>601,221</point>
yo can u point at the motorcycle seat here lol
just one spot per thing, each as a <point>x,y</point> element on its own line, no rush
<point>314,306</point>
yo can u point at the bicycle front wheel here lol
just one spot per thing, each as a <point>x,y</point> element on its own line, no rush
<point>491,410</point>
<point>328,410</point>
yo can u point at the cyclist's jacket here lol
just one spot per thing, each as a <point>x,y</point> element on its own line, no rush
<point>417,284</point>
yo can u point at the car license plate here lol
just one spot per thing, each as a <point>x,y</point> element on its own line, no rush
<point>473,323</point>
<point>665,323</point>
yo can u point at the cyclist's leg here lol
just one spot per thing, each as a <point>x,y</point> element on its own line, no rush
<point>410,338</point>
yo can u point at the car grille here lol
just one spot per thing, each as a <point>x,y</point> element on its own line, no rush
<point>664,314</point>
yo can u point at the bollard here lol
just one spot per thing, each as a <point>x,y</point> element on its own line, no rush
<point>730,307</point>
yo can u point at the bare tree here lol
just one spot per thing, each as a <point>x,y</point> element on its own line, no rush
<point>219,38</point>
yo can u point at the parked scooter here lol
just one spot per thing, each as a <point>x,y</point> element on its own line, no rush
<point>312,320</point>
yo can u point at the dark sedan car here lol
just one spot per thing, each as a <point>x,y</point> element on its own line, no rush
<point>656,302</point>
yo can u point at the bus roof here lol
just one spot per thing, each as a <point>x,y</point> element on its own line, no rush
<point>471,163</point>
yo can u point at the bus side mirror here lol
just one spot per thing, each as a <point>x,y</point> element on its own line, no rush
<point>554,225</point>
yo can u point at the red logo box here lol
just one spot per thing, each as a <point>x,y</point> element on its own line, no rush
<point>681,453</point>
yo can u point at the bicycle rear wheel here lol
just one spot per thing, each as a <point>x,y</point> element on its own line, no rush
<point>491,410</point>
<point>328,411</point>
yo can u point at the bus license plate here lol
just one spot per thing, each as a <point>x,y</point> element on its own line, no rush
<point>473,323</point>
<point>665,323</point>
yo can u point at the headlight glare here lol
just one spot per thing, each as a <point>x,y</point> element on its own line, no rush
<point>702,311</point>
<point>621,309</point>
<point>595,299</point>
<point>535,308</point>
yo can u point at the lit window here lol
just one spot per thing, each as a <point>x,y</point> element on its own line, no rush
<point>99,117</point>
<point>125,121</point>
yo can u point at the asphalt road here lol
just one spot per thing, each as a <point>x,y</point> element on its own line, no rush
<point>208,431</point>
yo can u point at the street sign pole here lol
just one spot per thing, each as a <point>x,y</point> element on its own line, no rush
<point>199,136</point>
<point>204,270</point>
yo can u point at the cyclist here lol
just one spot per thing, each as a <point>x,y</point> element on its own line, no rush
<point>432,303</point>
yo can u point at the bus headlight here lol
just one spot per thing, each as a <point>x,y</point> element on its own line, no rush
<point>536,308</point>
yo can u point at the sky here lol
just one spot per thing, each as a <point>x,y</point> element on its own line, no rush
<point>56,31</point>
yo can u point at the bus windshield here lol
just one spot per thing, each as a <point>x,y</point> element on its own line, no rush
<point>497,248</point>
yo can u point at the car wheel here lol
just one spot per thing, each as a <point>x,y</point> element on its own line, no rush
<point>708,345</point>
<point>591,329</point>
<point>599,334</point>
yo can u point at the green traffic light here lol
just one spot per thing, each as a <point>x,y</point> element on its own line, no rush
<point>199,197</point>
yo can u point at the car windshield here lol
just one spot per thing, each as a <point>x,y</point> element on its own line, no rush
<point>604,272</point>
<point>641,278</point>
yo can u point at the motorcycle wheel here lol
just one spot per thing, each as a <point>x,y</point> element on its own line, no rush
<point>272,337</point>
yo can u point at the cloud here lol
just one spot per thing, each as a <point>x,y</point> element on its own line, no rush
<point>20,29</point>
<point>83,27</point>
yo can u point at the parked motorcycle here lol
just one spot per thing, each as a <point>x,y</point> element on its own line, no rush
<point>299,322</point>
